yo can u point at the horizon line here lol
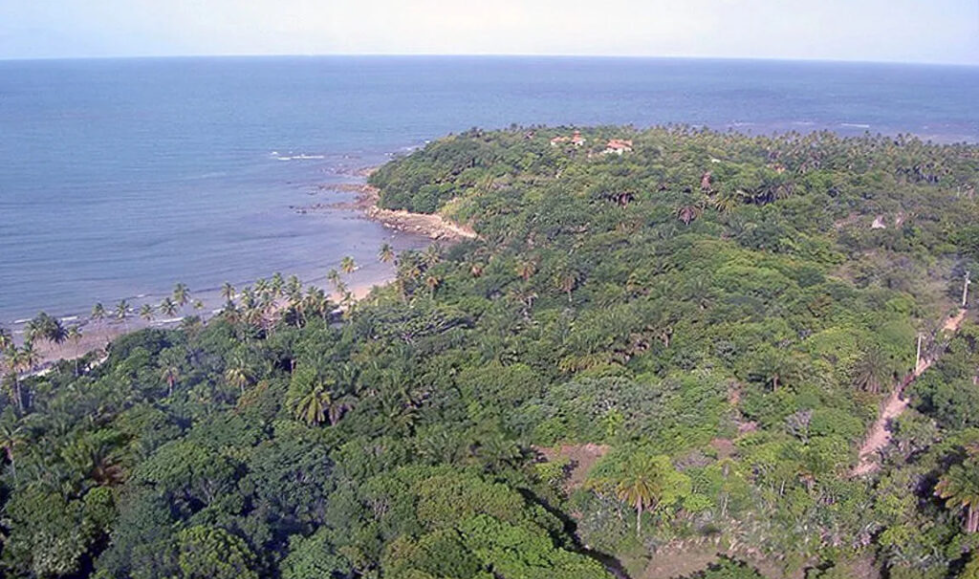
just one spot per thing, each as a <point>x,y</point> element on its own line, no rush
<point>490,55</point>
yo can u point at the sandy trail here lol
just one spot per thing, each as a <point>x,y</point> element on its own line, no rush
<point>894,406</point>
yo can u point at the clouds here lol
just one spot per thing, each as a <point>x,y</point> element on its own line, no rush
<point>894,30</point>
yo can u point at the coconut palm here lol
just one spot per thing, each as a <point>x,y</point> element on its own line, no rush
<point>168,307</point>
<point>11,439</point>
<point>146,312</point>
<point>526,268</point>
<point>228,292</point>
<point>432,255</point>
<point>348,265</point>
<point>170,369</point>
<point>386,254</point>
<point>237,373</point>
<point>333,276</point>
<point>181,295</point>
<point>566,281</point>
<point>689,212</point>
<point>313,407</point>
<point>12,360</point>
<point>98,312</point>
<point>261,286</point>
<point>774,368</point>
<point>198,305</point>
<point>294,288</point>
<point>30,357</point>
<point>872,371</point>
<point>276,284</point>
<point>642,483</point>
<point>433,282</point>
<point>960,489</point>
<point>6,339</point>
<point>122,310</point>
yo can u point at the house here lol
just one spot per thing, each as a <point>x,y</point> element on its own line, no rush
<point>577,140</point>
<point>618,146</point>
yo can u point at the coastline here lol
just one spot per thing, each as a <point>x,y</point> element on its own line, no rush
<point>98,336</point>
<point>433,225</point>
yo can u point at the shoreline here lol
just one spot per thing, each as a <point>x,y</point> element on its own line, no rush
<point>98,335</point>
<point>432,226</point>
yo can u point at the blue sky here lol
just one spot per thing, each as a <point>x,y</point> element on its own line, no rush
<point>938,31</point>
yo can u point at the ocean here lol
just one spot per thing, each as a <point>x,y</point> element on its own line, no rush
<point>121,177</point>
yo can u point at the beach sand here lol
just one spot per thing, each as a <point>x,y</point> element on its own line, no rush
<point>97,335</point>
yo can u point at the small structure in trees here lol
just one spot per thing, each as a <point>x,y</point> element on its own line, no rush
<point>618,147</point>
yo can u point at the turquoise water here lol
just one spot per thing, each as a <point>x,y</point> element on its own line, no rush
<point>121,177</point>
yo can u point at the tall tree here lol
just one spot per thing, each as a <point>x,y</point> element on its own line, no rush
<point>237,373</point>
<point>168,306</point>
<point>386,253</point>
<point>960,489</point>
<point>348,265</point>
<point>646,481</point>
<point>312,408</point>
<point>873,371</point>
<point>228,292</point>
<point>181,295</point>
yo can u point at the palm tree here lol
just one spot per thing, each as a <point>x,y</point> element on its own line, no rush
<point>333,276</point>
<point>228,292</point>
<point>6,339</point>
<point>526,268</point>
<point>261,286</point>
<point>774,368</point>
<point>313,407</point>
<point>169,369</point>
<point>122,310</point>
<point>75,334</point>
<point>433,282</point>
<point>237,373</point>
<point>386,254</point>
<point>641,484</point>
<point>146,312</point>
<point>55,332</point>
<point>11,439</point>
<point>567,281</point>
<point>960,489</point>
<point>12,360</point>
<point>198,305</point>
<point>168,307</point>
<point>432,255</point>
<point>294,287</point>
<point>181,294</point>
<point>872,371</point>
<point>30,357</point>
<point>688,212</point>
<point>277,284</point>
<point>98,312</point>
<point>21,361</point>
<point>348,265</point>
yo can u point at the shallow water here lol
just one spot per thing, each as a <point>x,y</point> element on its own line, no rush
<point>121,177</point>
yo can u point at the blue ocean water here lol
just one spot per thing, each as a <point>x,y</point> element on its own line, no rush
<point>121,177</point>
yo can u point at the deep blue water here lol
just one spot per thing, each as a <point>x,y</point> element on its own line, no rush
<point>120,177</point>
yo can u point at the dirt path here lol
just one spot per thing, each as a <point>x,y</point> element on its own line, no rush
<point>894,406</point>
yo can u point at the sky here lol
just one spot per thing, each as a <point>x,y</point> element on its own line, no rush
<point>928,31</point>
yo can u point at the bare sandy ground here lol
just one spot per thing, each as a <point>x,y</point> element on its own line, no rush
<point>894,406</point>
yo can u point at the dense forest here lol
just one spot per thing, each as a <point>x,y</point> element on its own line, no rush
<point>664,343</point>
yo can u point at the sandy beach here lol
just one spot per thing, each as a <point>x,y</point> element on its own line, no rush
<point>98,335</point>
